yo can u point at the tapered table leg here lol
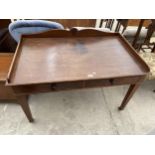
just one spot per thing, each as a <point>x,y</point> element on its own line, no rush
<point>23,101</point>
<point>128,96</point>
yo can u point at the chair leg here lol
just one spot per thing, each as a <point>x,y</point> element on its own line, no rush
<point>107,22</point>
<point>139,48</point>
<point>111,24</point>
<point>117,27</point>
<point>123,30</point>
<point>153,49</point>
<point>101,23</point>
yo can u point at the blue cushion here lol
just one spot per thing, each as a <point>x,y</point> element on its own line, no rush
<point>20,27</point>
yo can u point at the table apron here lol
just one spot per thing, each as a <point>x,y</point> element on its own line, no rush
<point>53,87</point>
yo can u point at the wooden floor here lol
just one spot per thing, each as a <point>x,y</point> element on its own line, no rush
<point>92,111</point>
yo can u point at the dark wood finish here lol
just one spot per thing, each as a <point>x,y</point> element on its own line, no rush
<point>130,93</point>
<point>6,93</point>
<point>130,22</point>
<point>101,22</point>
<point>7,43</point>
<point>23,101</point>
<point>148,44</point>
<point>147,23</point>
<point>121,22</point>
<point>109,23</point>
<point>63,60</point>
<point>86,55</point>
<point>138,32</point>
<point>41,88</point>
<point>69,23</point>
<point>153,49</point>
<point>151,29</point>
<point>4,23</point>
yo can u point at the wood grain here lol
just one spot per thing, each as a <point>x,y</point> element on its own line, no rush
<point>69,23</point>
<point>5,61</point>
<point>75,57</point>
<point>6,93</point>
<point>71,59</point>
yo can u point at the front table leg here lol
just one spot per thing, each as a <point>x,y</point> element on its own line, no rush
<point>23,101</point>
<point>128,96</point>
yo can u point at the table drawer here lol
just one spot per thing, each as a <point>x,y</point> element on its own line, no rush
<point>125,80</point>
<point>36,88</point>
<point>80,84</point>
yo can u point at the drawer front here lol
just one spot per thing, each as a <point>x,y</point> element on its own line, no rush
<point>39,88</point>
<point>125,80</point>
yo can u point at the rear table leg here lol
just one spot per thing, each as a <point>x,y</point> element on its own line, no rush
<point>23,101</point>
<point>128,96</point>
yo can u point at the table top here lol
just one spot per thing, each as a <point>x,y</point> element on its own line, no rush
<point>5,61</point>
<point>51,58</point>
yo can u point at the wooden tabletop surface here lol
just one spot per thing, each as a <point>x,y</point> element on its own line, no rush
<point>43,60</point>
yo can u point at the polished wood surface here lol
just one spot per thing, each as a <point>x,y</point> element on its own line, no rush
<point>70,59</point>
<point>69,23</point>
<point>43,60</point>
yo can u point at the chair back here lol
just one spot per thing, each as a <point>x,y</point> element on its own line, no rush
<point>21,27</point>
